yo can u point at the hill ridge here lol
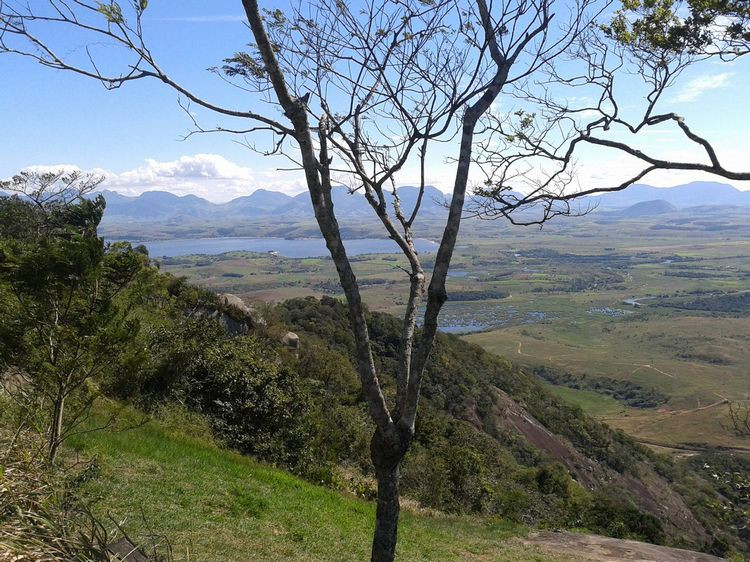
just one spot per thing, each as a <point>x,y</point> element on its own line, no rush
<point>264,203</point>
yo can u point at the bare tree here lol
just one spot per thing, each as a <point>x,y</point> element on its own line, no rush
<point>356,95</point>
<point>739,418</point>
<point>535,148</point>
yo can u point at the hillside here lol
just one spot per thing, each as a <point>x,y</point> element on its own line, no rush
<point>648,208</point>
<point>277,383</point>
<point>494,451</point>
<point>513,427</point>
<point>217,505</point>
<point>214,505</point>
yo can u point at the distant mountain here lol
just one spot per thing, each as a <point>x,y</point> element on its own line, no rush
<point>161,205</point>
<point>638,200</point>
<point>433,200</point>
<point>345,204</point>
<point>260,202</point>
<point>155,205</point>
<point>355,205</point>
<point>688,195</point>
<point>648,209</point>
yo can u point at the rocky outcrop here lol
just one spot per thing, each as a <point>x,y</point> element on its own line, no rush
<point>235,315</point>
<point>510,415</point>
<point>649,490</point>
<point>291,341</point>
<point>594,547</point>
<point>14,380</point>
<point>230,300</point>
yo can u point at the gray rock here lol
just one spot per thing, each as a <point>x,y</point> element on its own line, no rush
<point>291,340</point>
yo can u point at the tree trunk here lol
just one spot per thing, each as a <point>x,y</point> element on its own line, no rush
<point>386,517</point>
<point>56,429</point>
<point>387,456</point>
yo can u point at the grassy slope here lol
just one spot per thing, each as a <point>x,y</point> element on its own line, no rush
<point>591,402</point>
<point>218,505</point>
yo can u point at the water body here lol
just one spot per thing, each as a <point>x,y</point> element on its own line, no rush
<point>298,248</point>
<point>467,317</point>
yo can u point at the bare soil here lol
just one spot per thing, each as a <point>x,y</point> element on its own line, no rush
<point>595,547</point>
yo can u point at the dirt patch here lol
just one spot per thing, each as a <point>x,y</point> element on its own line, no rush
<point>595,547</point>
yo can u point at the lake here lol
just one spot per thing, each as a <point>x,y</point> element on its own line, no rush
<point>299,248</point>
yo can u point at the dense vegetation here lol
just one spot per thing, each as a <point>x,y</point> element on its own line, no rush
<point>478,295</point>
<point>627,392</point>
<point>303,410</point>
<point>723,304</point>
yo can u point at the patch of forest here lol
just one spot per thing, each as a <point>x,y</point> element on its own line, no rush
<point>629,393</point>
<point>734,304</point>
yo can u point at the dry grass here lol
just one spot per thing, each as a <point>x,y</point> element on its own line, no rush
<point>40,518</point>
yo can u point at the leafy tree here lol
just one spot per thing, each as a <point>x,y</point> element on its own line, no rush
<point>254,401</point>
<point>698,27</point>
<point>65,291</point>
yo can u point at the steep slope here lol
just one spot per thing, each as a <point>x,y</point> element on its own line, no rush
<point>649,490</point>
<point>168,478</point>
<point>511,413</point>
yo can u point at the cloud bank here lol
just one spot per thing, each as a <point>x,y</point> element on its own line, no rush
<point>217,179</point>
<point>210,176</point>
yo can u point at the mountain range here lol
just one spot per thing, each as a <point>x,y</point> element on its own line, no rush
<point>162,205</point>
<point>262,203</point>
<point>692,194</point>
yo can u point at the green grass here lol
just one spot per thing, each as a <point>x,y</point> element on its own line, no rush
<point>591,402</point>
<point>217,505</point>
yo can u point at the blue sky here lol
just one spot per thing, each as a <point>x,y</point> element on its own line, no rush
<point>53,118</point>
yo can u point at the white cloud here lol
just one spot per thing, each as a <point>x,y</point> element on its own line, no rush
<point>207,175</point>
<point>199,166</point>
<point>698,86</point>
<point>210,176</point>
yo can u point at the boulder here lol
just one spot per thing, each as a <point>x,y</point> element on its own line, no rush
<point>228,299</point>
<point>291,340</point>
<point>236,316</point>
